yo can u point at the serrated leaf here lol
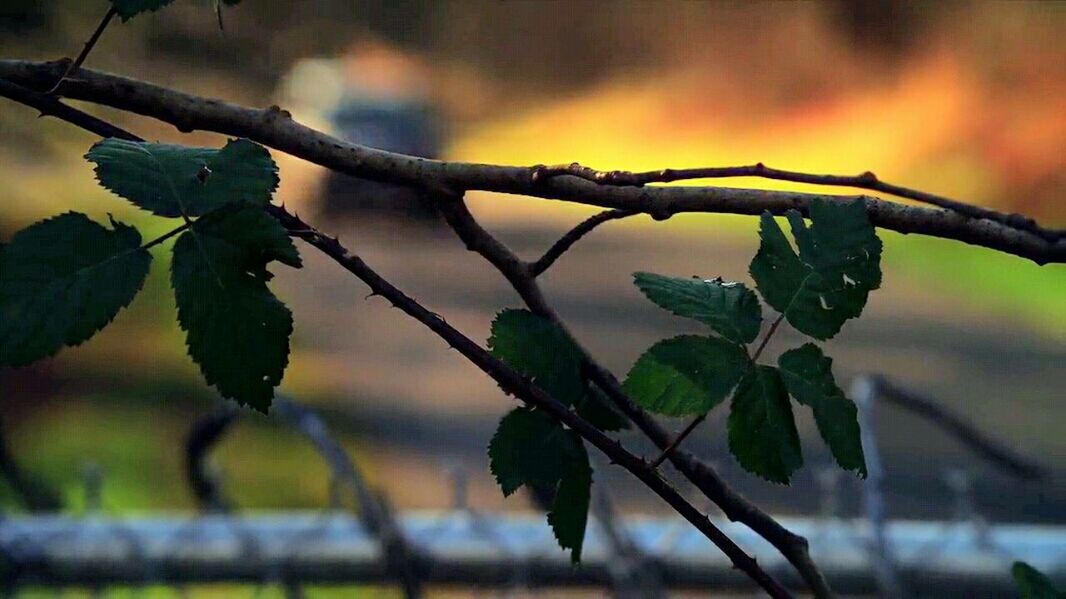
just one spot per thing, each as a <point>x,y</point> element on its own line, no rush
<point>127,9</point>
<point>530,448</point>
<point>731,309</point>
<point>537,348</point>
<point>762,432</point>
<point>171,181</point>
<point>237,330</point>
<point>686,375</point>
<point>570,510</point>
<point>808,376</point>
<point>1033,584</point>
<point>62,280</point>
<point>829,281</point>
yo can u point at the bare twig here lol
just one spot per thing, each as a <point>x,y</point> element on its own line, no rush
<point>573,236</point>
<point>274,128</point>
<point>866,180</point>
<point>89,45</point>
<point>509,380</point>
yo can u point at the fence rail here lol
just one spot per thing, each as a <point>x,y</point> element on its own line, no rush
<point>962,559</point>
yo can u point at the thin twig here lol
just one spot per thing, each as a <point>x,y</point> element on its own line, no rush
<point>678,439</point>
<point>963,430</point>
<point>89,45</point>
<point>275,129</point>
<point>866,180</point>
<point>510,381</point>
<point>573,236</point>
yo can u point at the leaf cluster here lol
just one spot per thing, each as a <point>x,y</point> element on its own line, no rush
<point>65,278</point>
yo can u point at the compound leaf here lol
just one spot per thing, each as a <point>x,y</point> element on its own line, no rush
<point>62,280</point>
<point>170,180</point>
<point>808,376</point>
<point>237,330</point>
<point>762,432</point>
<point>837,266</point>
<point>731,309</point>
<point>686,375</point>
<point>530,448</point>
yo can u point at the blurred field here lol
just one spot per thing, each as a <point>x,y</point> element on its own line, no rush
<point>972,107</point>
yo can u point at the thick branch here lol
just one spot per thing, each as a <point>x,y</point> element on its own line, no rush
<point>509,380</point>
<point>735,506</point>
<point>275,128</point>
<point>866,180</point>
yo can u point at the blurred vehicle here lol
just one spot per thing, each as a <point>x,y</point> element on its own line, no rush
<point>374,95</point>
<point>404,125</point>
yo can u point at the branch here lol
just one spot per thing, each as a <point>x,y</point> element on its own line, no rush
<point>515,384</point>
<point>963,430</point>
<point>509,380</point>
<point>573,236</point>
<point>735,506</point>
<point>89,45</point>
<point>275,128</point>
<point>866,180</point>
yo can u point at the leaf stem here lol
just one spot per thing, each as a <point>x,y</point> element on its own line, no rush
<point>95,37</point>
<point>767,337</point>
<point>696,421</point>
<point>677,440</point>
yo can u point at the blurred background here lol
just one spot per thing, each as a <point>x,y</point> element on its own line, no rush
<point>965,99</point>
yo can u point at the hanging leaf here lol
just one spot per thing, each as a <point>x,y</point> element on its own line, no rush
<point>762,432</point>
<point>530,448</point>
<point>537,348</point>
<point>127,9</point>
<point>686,375</point>
<point>172,181</point>
<point>237,330</point>
<point>731,309</point>
<point>837,267</point>
<point>62,280</point>
<point>808,376</point>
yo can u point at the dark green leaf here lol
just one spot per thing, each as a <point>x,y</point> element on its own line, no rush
<point>808,375</point>
<point>599,411</point>
<point>237,331</point>
<point>62,280</point>
<point>686,375</point>
<point>837,267</point>
<point>1033,584</point>
<point>539,349</point>
<point>762,432</point>
<point>530,448</point>
<point>731,309</point>
<point>172,181</point>
<point>127,9</point>
<point>570,510</point>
